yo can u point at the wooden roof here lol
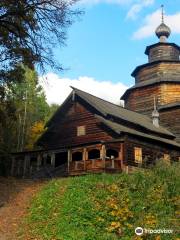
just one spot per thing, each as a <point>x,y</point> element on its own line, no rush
<point>118,119</point>
<point>138,68</point>
<point>119,129</point>
<point>149,83</point>
<point>161,44</point>
<point>169,105</point>
<point>109,109</point>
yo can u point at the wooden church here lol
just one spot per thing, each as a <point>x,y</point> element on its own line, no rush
<point>89,134</point>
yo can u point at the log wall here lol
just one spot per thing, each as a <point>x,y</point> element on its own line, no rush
<point>170,119</point>
<point>160,71</point>
<point>65,131</point>
<point>163,52</point>
<point>150,152</point>
<point>141,99</point>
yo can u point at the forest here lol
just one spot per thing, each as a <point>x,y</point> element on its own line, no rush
<point>29,31</point>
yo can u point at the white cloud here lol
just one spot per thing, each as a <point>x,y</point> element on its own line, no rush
<point>137,7</point>
<point>57,88</point>
<point>92,2</point>
<point>153,20</point>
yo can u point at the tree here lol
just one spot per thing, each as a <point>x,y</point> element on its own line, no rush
<point>29,29</point>
<point>35,132</point>
<point>30,104</point>
<point>23,113</point>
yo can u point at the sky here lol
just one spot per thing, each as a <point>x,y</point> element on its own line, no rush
<point>106,45</point>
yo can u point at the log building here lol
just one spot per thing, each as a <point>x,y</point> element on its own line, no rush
<point>160,77</point>
<point>89,134</point>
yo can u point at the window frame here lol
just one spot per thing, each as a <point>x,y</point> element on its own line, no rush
<point>81,130</point>
<point>138,155</point>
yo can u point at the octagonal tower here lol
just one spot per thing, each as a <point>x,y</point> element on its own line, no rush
<point>159,78</point>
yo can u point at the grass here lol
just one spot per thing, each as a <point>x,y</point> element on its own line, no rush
<point>106,207</point>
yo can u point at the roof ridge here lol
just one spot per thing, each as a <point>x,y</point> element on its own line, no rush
<point>97,97</point>
<point>142,115</point>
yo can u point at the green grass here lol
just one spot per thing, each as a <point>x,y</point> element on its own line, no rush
<point>106,207</point>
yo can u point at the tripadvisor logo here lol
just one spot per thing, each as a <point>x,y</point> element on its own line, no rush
<point>139,231</point>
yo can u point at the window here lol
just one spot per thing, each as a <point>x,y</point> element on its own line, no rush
<point>81,131</point>
<point>138,155</point>
<point>94,154</point>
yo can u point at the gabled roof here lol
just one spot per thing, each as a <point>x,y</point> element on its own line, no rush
<point>120,128</point>
<point>128,122</point>
<point>108,109</point>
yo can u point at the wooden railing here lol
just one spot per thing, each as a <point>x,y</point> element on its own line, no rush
<point>95,165</point>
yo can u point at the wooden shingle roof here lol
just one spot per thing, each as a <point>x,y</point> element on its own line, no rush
<point>123,129</point>
<point>148,83</point>
<point>110,109</point>
<point>117,118</point>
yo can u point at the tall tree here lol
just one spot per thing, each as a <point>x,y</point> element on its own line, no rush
<point>23,113</point>
<point>29,29</point>
<point>30,104</point>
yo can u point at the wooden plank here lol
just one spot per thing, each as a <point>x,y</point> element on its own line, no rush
<point>65,132</point>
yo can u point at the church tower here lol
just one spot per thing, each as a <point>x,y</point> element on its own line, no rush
<point>159,79</point>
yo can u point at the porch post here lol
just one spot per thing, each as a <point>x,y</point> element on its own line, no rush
<point>69,158</point>
<point>18,168</point>
<point>93,163</point>
<point>103,155</point>
<point>39,159</point>
<point>26,165</point>
<point>121,155</point>
<point>12,165</point>
<point>45,158</point>
<point>84,157</point>
<point>53,160</point>
<point>112,162</point>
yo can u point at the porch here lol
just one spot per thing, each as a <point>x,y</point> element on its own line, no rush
<point>94,158</point>
<point>94,166</point>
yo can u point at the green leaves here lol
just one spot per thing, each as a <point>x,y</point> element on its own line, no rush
<point>106,206</point>
<point>30,29</point>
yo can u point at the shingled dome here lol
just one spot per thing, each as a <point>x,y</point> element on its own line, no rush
<point>163,31</point>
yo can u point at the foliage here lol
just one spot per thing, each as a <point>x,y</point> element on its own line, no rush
<point>107,206</point>
<point>23,113</point>
<point>30,29</point>
<point>26,103</point>
<point>52,109</point>
<point>34,133</point>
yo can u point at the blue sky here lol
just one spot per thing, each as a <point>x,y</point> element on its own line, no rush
<point>107,44</point>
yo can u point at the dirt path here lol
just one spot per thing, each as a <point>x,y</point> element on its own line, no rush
<point>15,196</point>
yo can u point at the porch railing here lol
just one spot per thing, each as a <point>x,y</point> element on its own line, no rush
<point>95,164</point>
